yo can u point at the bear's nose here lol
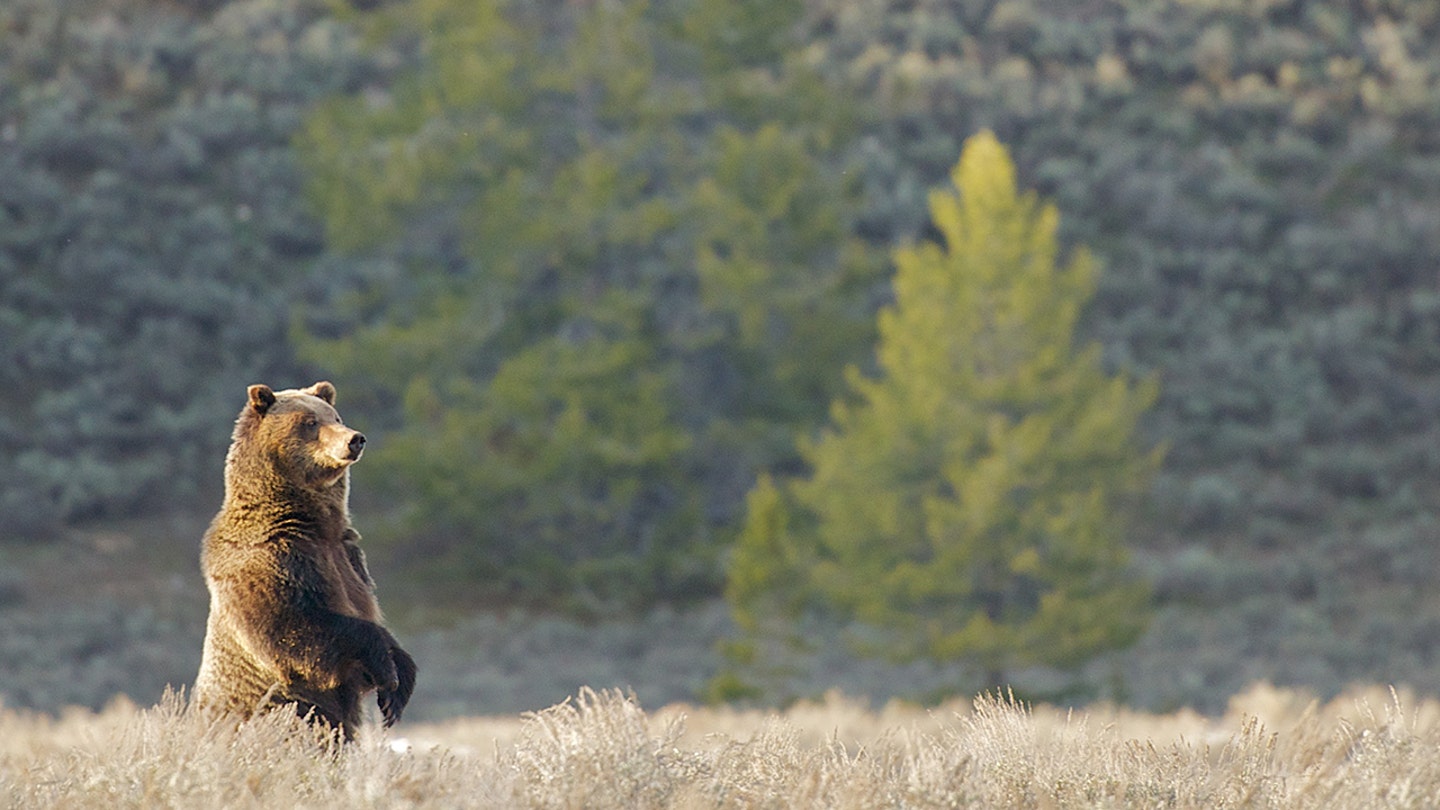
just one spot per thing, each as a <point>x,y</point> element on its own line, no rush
<point>357,443</point>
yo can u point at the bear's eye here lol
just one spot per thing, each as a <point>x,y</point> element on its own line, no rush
<point>310,423</point>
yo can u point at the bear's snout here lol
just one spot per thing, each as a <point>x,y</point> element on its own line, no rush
<point>357,444</point>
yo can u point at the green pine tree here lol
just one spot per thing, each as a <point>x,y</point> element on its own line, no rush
<point>968,501</point>
<point>604,271</point>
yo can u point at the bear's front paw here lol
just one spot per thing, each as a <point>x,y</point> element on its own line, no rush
<point>392,701</point>
<point>380,671</point>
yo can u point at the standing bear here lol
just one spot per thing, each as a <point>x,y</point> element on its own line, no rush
<point>293,617</point>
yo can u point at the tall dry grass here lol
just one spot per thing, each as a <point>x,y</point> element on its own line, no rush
<point>1274,748</point>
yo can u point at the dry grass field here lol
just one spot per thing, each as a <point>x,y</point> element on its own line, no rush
<point>1274,748</point>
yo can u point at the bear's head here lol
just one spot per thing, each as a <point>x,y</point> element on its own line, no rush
<point>298,433</point>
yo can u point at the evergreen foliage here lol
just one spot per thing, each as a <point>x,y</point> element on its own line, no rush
<point>969,501</point>
<point>606,284</point>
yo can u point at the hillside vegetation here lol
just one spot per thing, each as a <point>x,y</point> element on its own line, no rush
<point>1272,750</point>
<point>585,272</point>
<point>152,239</point>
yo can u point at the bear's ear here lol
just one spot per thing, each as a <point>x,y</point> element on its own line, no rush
<point>261,398</point>
<point>323,390</point>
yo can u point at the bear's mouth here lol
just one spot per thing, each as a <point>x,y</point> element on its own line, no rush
<point>329,476</point>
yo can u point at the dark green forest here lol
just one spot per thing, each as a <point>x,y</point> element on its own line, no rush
<point>584,272</point>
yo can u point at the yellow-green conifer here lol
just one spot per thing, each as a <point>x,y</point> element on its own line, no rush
<point>968,500</point>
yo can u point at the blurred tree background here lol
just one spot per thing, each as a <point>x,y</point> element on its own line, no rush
<point>608,286</point>
<point>585,270</point>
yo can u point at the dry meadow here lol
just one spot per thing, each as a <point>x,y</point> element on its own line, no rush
<point>1273,748</point>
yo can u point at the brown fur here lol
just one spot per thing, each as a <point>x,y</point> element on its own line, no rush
<point>293,615</point>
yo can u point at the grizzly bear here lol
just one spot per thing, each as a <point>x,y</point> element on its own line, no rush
<point>293,617</point>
